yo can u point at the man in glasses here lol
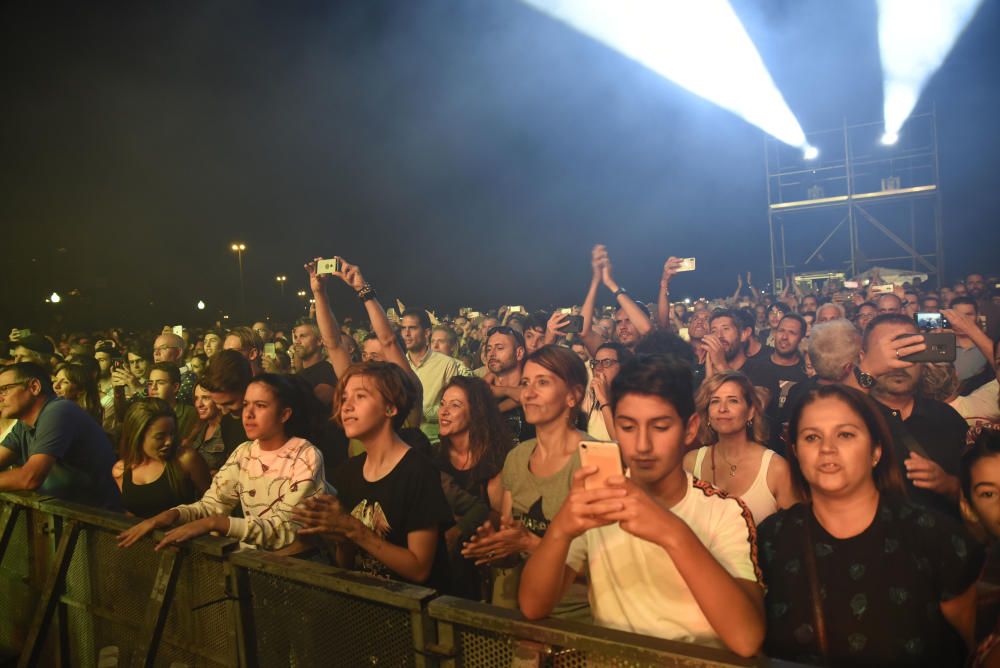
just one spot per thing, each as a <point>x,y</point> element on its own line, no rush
<point>606,363</point>
<point>58,449</point>
<point>169,347</point>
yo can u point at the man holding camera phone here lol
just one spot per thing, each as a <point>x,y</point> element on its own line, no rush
<point>643,539</point>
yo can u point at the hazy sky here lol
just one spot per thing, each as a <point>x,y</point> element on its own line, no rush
<point>464,153</point>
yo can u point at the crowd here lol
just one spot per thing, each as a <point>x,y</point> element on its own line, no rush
<point>809,475</point>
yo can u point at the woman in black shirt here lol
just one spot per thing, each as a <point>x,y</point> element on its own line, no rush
<point>857,575</point>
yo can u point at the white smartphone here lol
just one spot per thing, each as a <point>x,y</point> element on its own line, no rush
<point>269,350</point>
<point>851,284</point>
<point>516,309</point>
<point>328,266</point>
<point>687,264</point>
<point>882,289</point>
<point>606,456</point>
<point>178,330</point>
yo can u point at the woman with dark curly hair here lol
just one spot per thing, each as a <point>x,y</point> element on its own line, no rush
<point>474,443</point>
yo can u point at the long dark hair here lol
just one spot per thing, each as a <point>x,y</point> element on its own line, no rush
<point>489,436</point>
<point>90,396</point>
<point>886,472</point>
<point>294,393</point>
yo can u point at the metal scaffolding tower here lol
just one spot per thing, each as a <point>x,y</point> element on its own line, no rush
<point>859,204</point>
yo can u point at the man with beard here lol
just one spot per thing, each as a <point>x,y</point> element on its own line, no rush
<point>975,287</point>
<point>316,371</point>
<point>632,321</point>
<point>929,434</point>
<point>505,353</point>
<point>784,366</point>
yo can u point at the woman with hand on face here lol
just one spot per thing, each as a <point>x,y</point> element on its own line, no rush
<point>858,575</point>
<point>155,472</point>
<point>474,443</point>
<point>267,476</point>
<point>537,475</point>
<point>607,362</point>
<point>734,458</point>
<point>389,513</point>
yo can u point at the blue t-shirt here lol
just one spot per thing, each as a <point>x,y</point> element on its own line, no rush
<point>84,456</point>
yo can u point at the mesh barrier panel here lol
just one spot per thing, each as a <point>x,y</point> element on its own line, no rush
<point>306,626</point>
<point>199,630</point>
<point>567,658</point>
<point>16,598</point>
<point>477,648</point>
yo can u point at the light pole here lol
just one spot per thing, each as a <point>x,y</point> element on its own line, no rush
<point>238,248</point>
<point>281,282</point>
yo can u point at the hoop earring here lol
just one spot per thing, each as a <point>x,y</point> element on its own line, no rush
<point>388,412</point>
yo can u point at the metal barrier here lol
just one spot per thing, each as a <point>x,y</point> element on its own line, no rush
<point>69,595</point>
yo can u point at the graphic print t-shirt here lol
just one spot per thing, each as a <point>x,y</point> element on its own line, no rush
<point>409,498</point>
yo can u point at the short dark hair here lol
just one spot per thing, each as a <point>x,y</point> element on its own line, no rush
<point>32,371</point>
<point>799,319</point>
<point>659,376</point>
<point>986,444</point>
<point>624,354</point>
<point>505,330</point>
<point>665,342</point>
<point>886,319</point>
<point>292,392</point>
<point>724,313</point>
<point>746,318</point>
<point>568,367</point>
<point>170,369</point>
<point>642,307</point>
<point>781,306</point>
<point>305,322</point>
<point>418,313</point>
<point>537,320</point>
<point>968,301</point>
<point>227,371</point>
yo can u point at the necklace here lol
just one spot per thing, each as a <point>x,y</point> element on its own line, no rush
<point>732,467</point>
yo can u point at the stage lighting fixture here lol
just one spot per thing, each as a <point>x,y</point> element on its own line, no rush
<point>914,38</point>
<point>810,152</point>
<point>701,46</point>
<point>889,138</point>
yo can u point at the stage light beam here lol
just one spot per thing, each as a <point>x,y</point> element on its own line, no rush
<point>915,36</point>
<point>701,46</point>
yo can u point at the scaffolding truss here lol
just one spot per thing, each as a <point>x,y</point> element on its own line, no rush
<point>858,205</point>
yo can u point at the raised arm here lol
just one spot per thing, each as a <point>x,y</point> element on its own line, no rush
<point>640,320</point>
<point>963,325</point>
<point>663,301</point>
<point>329,329</point>
<point>591,339</point>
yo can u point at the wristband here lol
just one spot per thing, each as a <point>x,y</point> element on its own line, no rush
<point>367,293</point>
<point>620,291</point>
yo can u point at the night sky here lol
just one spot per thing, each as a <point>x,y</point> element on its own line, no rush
<point>463,153</point>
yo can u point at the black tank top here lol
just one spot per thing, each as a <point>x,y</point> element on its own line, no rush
<point>155,497</point>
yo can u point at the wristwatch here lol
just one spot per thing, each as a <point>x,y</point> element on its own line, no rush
<point>865,380</point>
<point>620,291</point>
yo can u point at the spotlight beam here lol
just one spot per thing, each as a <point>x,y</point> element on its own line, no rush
<point>915,37</point>
<point>700,45</point>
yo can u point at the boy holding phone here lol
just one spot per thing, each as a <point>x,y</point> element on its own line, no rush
<point>666,555</point>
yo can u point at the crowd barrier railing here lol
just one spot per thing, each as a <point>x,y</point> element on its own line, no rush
<point>70,597</point>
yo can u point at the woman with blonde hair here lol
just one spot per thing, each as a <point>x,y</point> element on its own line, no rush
<point>733,457</point>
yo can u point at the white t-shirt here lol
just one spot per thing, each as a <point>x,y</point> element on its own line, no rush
<point>634,585</point>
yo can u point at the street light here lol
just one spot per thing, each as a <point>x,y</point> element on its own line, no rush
<point>55,298</point>
<point>281,281</point>
<point>301,293</point>
<point>238,248</point>
<point>201,305</point>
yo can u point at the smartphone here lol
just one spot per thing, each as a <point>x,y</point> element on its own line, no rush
<point>22,333</point>
<point>687,264</point>
<point>474,314</point>
<point>928,321</point>
<point>516,309</point>
<point>328,266</point>
<point>178,330</point>
<point>269,350</point>
<point>574,325</point>
<point>117,363</point>
<point>881,289</point>
<point>606,456</point>
<point>851,284</point>
<point>566,311</point>
<point>940,348</point>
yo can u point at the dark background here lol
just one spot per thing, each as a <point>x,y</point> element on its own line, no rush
<point>463,153</point>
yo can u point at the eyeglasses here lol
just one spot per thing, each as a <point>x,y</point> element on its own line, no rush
<point>500,329</point>
<point>4,389</point>
<point>603,364</point>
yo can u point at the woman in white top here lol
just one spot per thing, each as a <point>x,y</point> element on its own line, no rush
<point>607,362</point>
<point>733,458</point>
